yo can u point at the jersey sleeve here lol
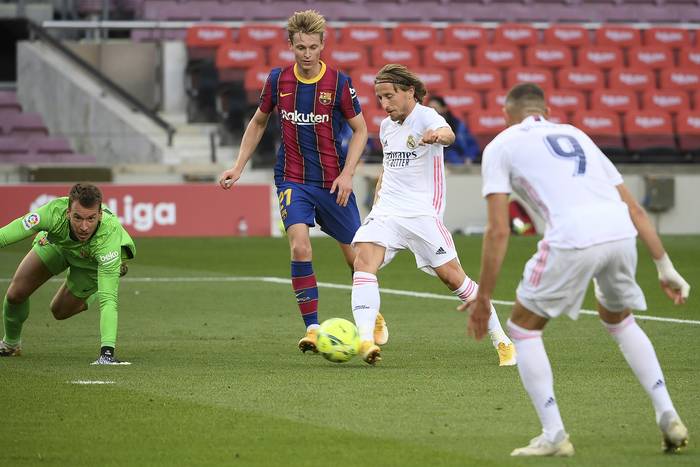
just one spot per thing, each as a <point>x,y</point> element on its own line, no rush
<point>268,96</point>
<point>433,120</point>
<point>108,257</point>
<point>349,103</point>
<point>495,172</point>
<point>27,225</point>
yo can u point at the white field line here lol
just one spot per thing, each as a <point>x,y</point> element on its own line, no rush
<point>87,382</point>
<point>330,285</point>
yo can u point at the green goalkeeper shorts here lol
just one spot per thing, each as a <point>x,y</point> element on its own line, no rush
<point>80,281</point>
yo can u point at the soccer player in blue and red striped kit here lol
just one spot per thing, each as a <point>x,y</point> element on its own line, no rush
<point>313,175</point>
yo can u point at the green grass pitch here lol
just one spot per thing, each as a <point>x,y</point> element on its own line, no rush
<point>217,379</point>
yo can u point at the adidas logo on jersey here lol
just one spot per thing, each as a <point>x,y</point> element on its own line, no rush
<point>440,251</point>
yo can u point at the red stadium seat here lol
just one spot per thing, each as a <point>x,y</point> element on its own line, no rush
<point>435,80</point>
<point>233,59</point>
<point>562,100</point>
<point>688,129</point>
<point>675,38</point>
<point>670,100</point>
<point>540,76</point>
<point>366,94</point>
<point>415,34</point>
<point>25,124</point>
<point>462,102</point>
<point>637,79</point>
<point>558,117</point>
<point>550,56</point>
<point>681,78</point>
<point>689,58</point>
<point>654,57</point>
<point>496,99</point>
<point>374,118</point>
<point>202,40</point>
<point>346,57</point>
<point>603,57</point>
<point>254,82</point>
<point>261,34</point>
<point>282,56</point>
<point>649,130</point>
<point>618,35</point>
<point>515,34</point>
<point>465,35</point>
<point>580,78</point>
<point>329,37</point>
<point>478,79</point>
<point>486,125</point>
<point>444,56</point>
<point>567,34</point>
<point>500,56</point>
<point>363,34</point>
<point>602,126</point>
<point>620,100</point>
<point>404,54</point>
<point>364,77</point>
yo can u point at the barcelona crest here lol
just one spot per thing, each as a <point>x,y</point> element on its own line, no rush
<point>325,97</point>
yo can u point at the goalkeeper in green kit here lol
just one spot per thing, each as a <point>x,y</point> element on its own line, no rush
<point>75,233</point>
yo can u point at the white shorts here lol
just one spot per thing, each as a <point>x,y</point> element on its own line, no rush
<point>555,280</point>
<point>426,237</point>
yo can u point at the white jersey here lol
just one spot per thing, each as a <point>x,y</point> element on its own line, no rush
<point>561,174</point>
<point>413,183</point>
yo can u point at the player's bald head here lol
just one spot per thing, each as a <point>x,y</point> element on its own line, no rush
<point>524,99</point>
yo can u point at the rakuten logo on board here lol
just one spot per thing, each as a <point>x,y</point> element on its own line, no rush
<point>142,216</point>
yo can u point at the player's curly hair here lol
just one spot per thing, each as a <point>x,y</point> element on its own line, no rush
<point>402,78</point>
<point>87,194</point>
<point>306,22</point>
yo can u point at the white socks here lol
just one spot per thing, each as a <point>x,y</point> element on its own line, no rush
<point>365,303</point>
<point>467,293</point>
<point>640,356</point>
<point>536,376</point>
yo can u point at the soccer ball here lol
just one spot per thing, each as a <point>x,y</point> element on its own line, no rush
<point>338,340</point>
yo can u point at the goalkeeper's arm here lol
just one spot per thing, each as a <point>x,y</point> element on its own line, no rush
<point>672,283</point>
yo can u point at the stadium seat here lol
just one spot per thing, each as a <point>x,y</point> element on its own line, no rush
<point>445,56</point>
<point>462,102</point>
<point>540,76</point>
<point>435,80</point>
<point>364,77</point>
<point>203,40</point>
<point>580,78</point>
<point>670,100</point>
<point>498,55</point>
<point>404,54</point>
<point>415,34</point>
<point>618,35</point>
<point>653,56</point>
<point>495,100</point>
<point>566,101</point>
<point>9,103</point>
<point>549,56</point>
<point>261,35</point>
<point>650,132</point>
<point>604,129</point>
<point>232,60</point>
<point>374,118</point>
<point>567,34</point>
<point>619,100</point>
<point>13,145</point>
<point>558,117</point>
<point>346,57</point>
<point>681,78</point>
<point>486,125</point>
<point>689,58</point>
<point>637,79</point>
<point>281,56</point>
<point>603,57</point>
<point>51,145</point>
<point>254,82</point>
<point>674,38</point>
<point>478,79</point>
<point>515,34</point>
<point>363,35</point>
<point>465,35</point>
<point>688,129</point>
<point>22,124</point>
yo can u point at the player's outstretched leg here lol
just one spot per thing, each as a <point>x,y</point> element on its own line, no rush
<point>536,376</point>
<point>641,357</point>
<point>306,292</point>
<point>365,302</point>
<point>13,315</point>
<point>381,330</point>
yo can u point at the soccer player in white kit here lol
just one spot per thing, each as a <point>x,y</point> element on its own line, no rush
<point>592,221</point>
<point>408,209</point>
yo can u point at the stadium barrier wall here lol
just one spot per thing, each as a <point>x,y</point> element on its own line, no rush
<point>174,210</point>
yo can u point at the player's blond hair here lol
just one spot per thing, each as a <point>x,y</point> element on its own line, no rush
<point>402,78</point>
<point>526,98</point>
<point>306,22</point>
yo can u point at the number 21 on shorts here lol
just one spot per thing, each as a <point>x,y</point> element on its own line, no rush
<point>285,199</point>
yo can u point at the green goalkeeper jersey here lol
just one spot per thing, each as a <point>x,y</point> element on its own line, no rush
<point>103,252</point>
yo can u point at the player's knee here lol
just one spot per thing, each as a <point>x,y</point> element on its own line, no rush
<point>16,294</point>
<point>301,252</point>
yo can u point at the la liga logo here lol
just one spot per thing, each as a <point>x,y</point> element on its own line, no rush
<point>30,220</point>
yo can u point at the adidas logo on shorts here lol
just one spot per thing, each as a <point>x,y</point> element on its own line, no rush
<point>440,251</point>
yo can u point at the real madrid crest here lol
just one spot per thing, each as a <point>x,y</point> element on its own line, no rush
<point>411,142</point>
<point>325,97</point>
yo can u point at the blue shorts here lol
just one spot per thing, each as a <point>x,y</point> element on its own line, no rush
<point>302,204</point>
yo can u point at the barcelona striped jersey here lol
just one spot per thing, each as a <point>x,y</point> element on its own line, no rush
<point>312,113</point>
